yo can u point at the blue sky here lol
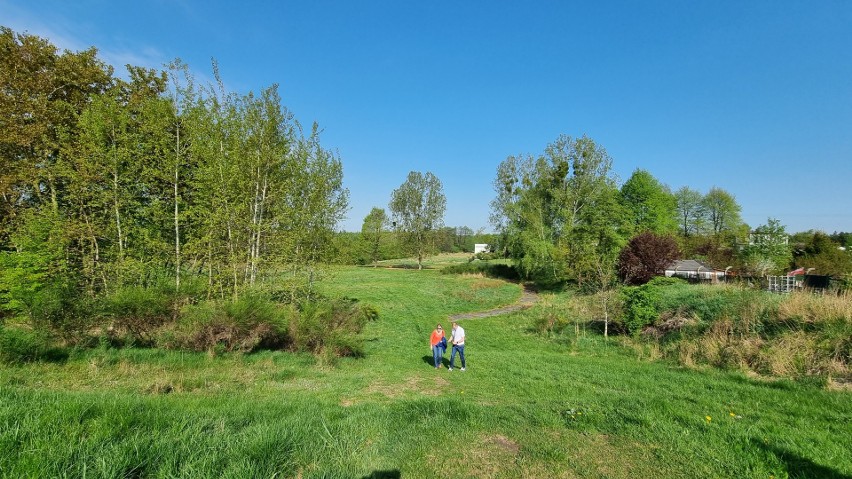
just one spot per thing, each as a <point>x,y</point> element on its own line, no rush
<point>751,96</point>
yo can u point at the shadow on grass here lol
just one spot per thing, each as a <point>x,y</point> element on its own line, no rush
<point>395,474</point>
<point>431,361</point>
<point>798,466</point>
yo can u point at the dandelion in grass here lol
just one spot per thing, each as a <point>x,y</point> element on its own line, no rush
<point>708,418</point>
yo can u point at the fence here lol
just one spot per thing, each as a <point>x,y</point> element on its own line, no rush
<point>782,284</point>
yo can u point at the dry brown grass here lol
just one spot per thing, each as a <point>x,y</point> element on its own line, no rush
<point>813,308</point>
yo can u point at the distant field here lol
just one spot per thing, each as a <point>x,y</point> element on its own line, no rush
<point>526,407</point>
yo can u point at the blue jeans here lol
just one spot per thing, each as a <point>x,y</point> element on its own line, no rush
<point>437,355</point>
<point>460,349</point>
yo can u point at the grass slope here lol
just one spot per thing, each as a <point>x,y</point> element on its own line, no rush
<point>526,407</point>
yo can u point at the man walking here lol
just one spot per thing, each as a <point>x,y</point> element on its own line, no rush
<point>457,339</point>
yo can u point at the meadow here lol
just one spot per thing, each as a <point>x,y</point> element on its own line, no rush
<point>528,405</point>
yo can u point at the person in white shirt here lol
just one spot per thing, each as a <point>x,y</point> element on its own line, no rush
<point>457,339</point>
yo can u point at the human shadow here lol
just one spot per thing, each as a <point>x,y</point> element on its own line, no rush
<point>798,466</point>
<point>431,361</point>
<point>394,474</point>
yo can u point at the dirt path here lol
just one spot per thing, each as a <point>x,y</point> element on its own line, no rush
<point>528,298</point>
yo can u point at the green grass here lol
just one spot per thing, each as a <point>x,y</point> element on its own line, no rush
<point>526,407</point>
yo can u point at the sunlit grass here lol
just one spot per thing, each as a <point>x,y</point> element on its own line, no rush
<point>527,406</point>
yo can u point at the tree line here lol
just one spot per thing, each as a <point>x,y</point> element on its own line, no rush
<point>563,217</point>
<point>109,181</point>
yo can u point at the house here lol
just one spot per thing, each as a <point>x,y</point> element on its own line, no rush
<point>481,248</point>
<point>694,270</point>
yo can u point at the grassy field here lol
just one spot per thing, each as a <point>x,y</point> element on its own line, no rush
<point>526,406</point>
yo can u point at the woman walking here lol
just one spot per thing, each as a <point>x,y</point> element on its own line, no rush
<point>438,344</point>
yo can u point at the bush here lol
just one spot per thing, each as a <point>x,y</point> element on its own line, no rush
<point>331,327</point>
<point>59,309</point>
<point>641,308</point>
<point>18,345</point>
<point>247,324</point>
<point>796,335</point>
<point>137,312</point>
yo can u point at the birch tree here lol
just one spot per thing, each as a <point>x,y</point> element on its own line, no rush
<point>418,207</point>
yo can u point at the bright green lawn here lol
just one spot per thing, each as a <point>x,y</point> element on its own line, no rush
<point>526,407</point>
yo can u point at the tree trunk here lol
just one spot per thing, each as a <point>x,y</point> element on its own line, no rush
<point>177,219</point>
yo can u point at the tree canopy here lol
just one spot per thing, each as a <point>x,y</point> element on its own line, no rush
<point>418,207</point>
<point>106,181</point>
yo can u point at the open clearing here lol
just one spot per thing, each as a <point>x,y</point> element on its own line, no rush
<point>526,407</point>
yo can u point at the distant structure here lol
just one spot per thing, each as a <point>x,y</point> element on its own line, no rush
<point>799,280</point>
<point>481,248</point>
<point>694,270</point>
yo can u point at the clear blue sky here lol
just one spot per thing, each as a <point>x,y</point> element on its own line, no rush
<point>752,96</point>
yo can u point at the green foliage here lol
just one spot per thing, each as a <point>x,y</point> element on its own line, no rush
<point>19,345</point>
<point>110,179</point>
<point>768,250</point>
<point>417,208</point>
<point>246,324</point>
<point>372,231</point>
<point>722,210</point>
<point>491,270</point>
<point>137,312</point>
<point>36,263</point>
<point>649,203</point>
<point>331,328</point>
<point>691,212</point>
<point>816,250</point>
<point>660,281</point>
<point>560,212</point>
<point>641,308</point>
<point>58,308</point>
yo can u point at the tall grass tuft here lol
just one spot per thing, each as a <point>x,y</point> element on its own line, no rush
<point>20,345</point>
<point>330,328</point>
<point>246,324</point>
<point>732,327</point>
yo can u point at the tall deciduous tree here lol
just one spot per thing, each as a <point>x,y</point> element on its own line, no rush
<point>646,256</point>
<point>691,212</point>
<point>559,211</point>
<point>649,204</point>
<point>723,211</point>
<point>825,257</point>
<point>418,207</point>
<point>768,249</point>
<point>42,93</point>
<point>372,231</point>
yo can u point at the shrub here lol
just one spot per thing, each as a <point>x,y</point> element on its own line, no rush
<point>331,327</point>
<point>18,345</point>
<point>660,281</point>
<point>797,335</point>
<point>641,308</point>
<point>136,312</point>
<point>59,309</point>
<point>246,324</point>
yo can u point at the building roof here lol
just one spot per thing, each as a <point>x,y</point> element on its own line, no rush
<point>690,265</point>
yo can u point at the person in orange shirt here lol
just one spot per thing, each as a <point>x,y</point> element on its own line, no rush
<point>438,344</point>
